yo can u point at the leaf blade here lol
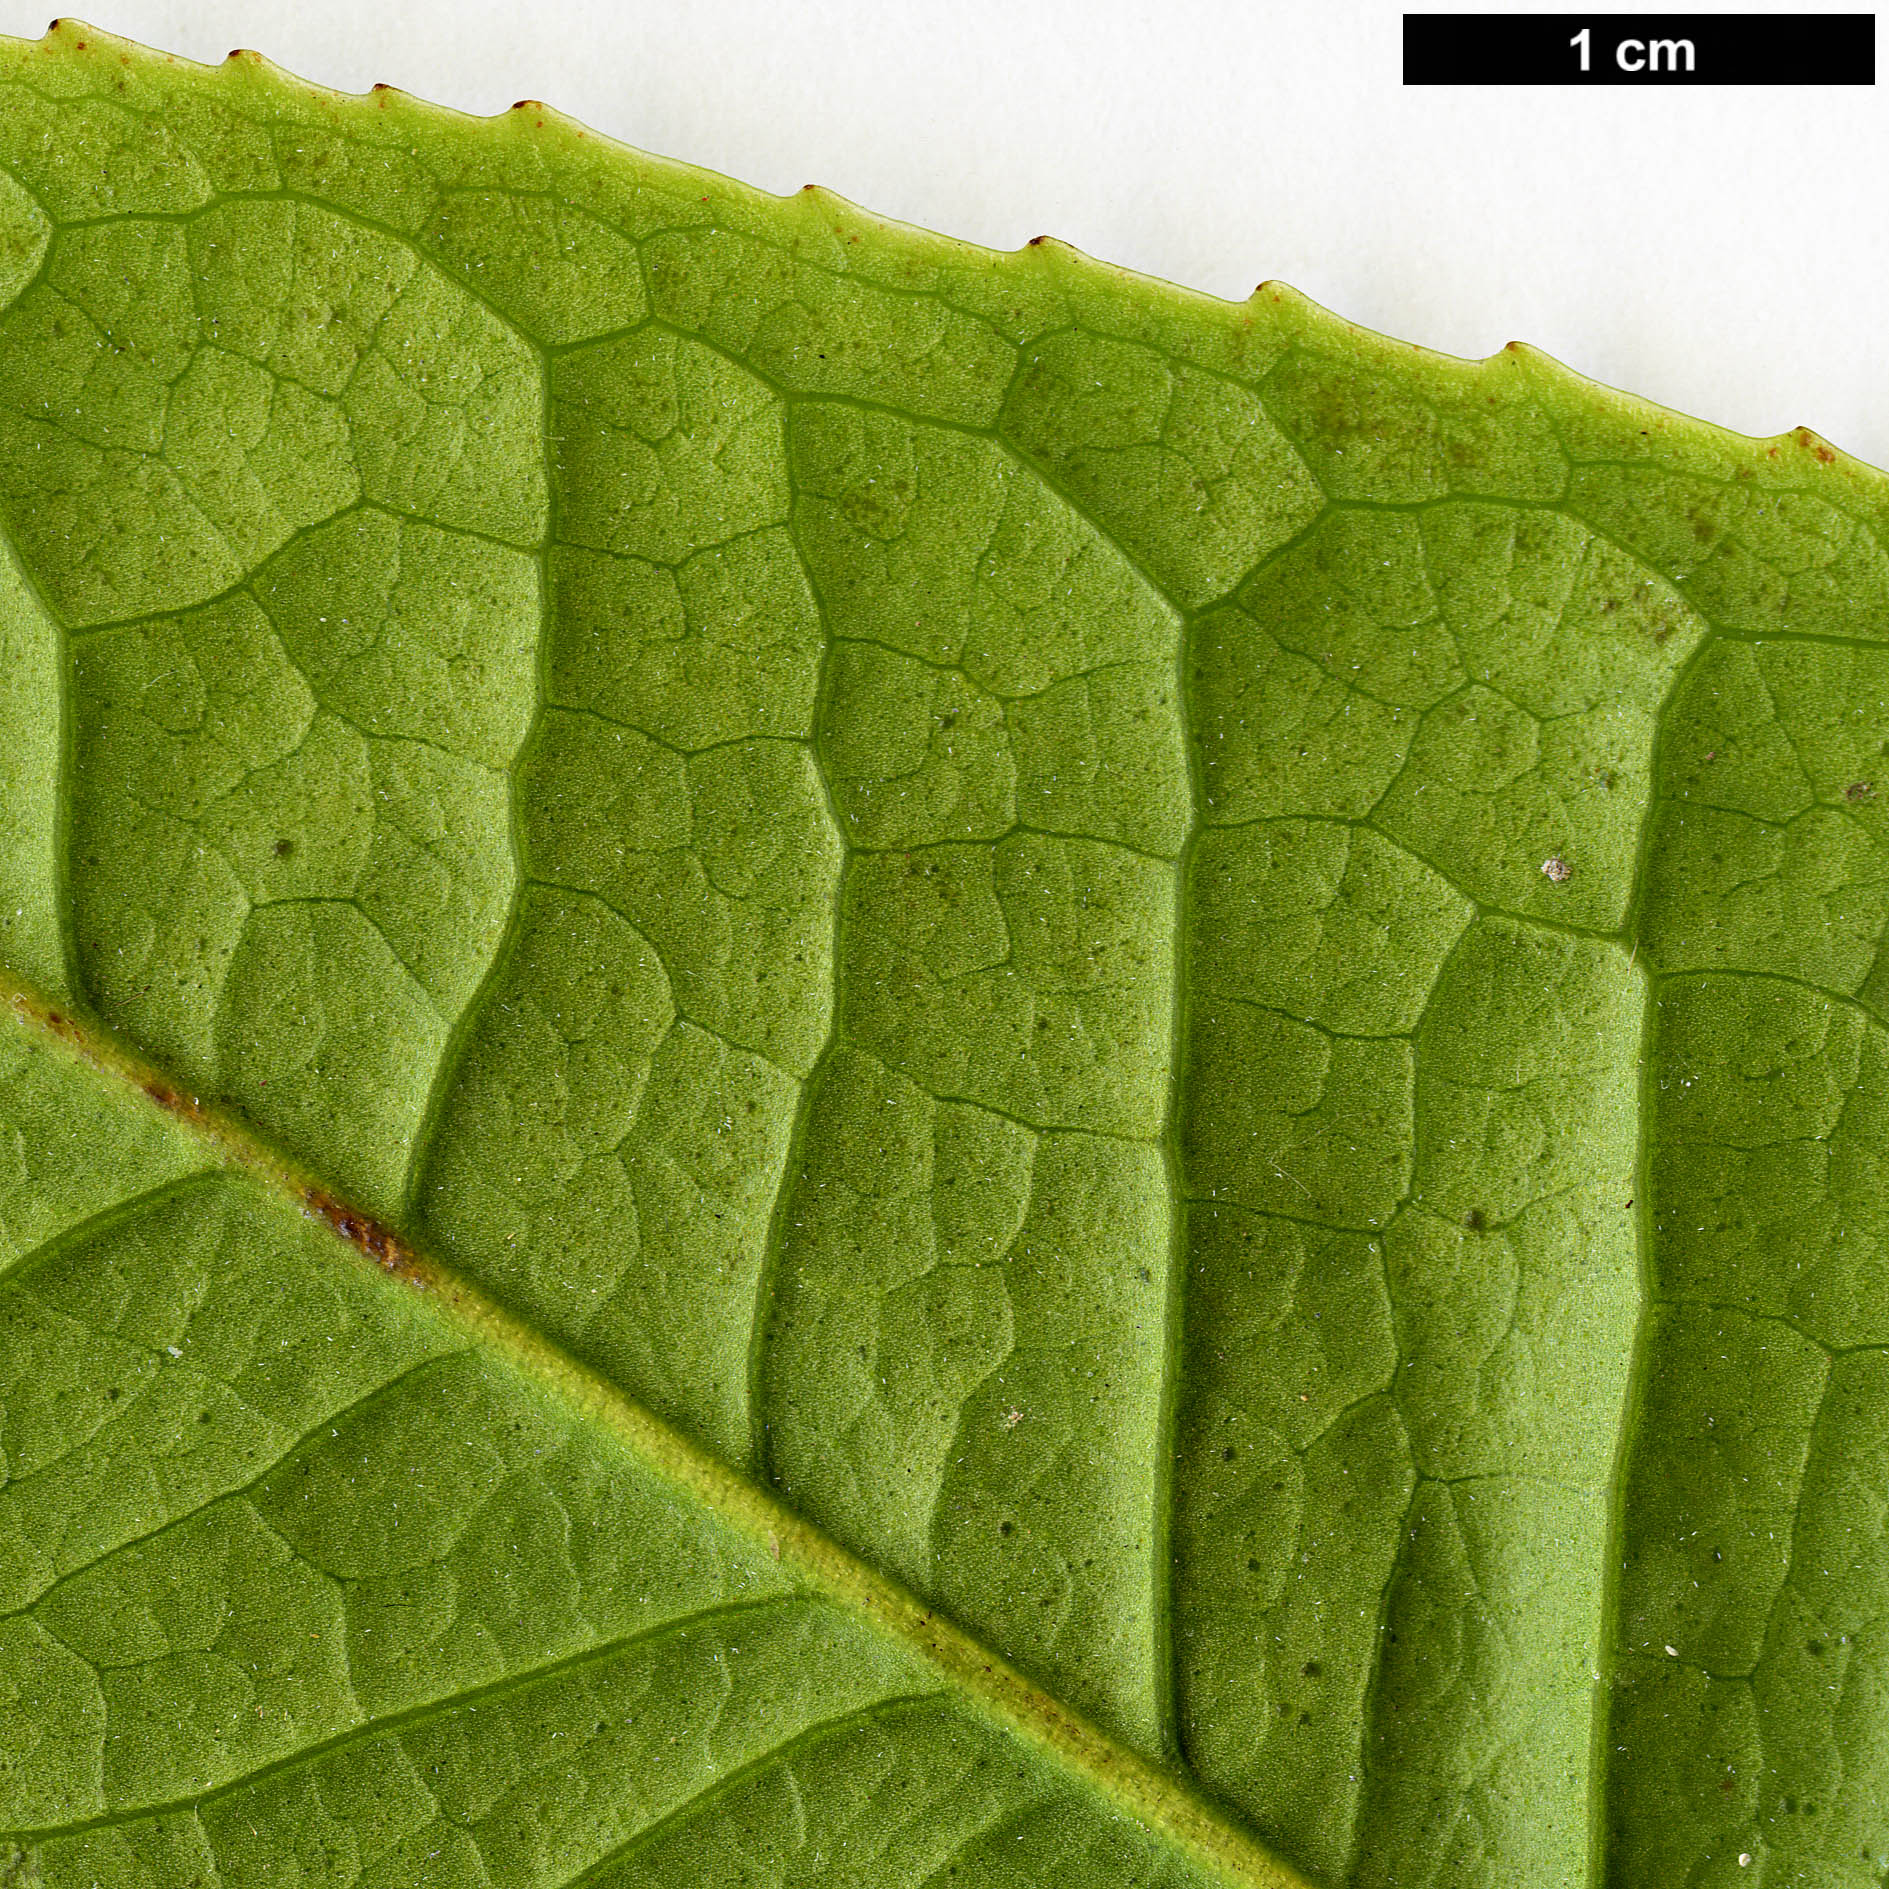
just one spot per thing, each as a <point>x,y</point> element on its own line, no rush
<point>942,865</point>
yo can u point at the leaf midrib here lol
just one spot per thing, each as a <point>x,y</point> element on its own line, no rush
<point>973,1673</point>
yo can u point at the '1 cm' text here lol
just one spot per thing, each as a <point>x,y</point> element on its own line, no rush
<point>1638,55</point>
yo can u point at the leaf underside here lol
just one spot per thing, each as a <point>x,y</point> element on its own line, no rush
<point>836,1062</point>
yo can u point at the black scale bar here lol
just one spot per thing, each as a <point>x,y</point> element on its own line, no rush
<point>1639,49</point>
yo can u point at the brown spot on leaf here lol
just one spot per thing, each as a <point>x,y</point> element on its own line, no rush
<point>171,1101</point>
<point>379,1242</point>
<point>1859,790</point>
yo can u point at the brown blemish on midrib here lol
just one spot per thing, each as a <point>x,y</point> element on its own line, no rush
<point>230,1138</point>
<point>373,1237</point>
<point>109,1061</point>
<point>172,1101</point>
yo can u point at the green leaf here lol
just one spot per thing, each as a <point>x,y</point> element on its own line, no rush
<point>836,1064</point>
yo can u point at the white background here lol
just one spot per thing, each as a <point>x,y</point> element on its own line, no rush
<point>1725,251</point>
